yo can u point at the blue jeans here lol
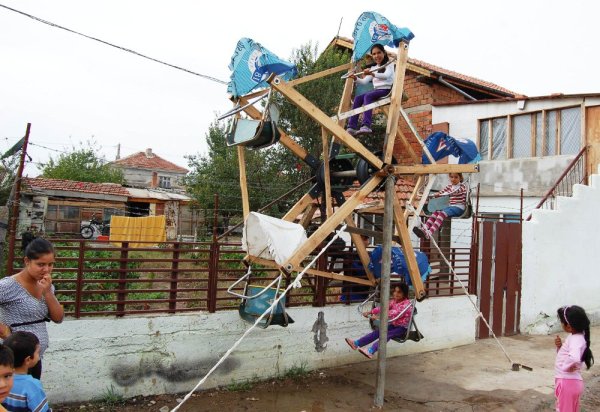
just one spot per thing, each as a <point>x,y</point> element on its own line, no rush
<point>363,100</point>
<point>453,211</point>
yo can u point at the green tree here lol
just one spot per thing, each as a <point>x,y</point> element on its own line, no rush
<point>8,172</point>
<point>83,164</point>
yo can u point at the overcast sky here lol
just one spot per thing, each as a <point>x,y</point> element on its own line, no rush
<point>73,89</point>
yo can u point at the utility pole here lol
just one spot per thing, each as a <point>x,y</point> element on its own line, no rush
<point>12,224</point>
<point>386,266</point>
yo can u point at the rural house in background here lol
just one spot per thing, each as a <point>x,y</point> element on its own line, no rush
<point>148,170</point>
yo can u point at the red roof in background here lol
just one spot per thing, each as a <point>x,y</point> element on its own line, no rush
<point>141,160</point>
<point>42,183</point>
<point>440,70</point>
<point>404,189</point>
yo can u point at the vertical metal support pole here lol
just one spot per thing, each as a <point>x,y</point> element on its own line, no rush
<point>174,277</point>
<point>123,270</point>
<point>14,216</point>
<point>386,263</point>
<point>215,217</point>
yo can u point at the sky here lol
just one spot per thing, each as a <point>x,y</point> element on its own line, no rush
<point>72,89</point>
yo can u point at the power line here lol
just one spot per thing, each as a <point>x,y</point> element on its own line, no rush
<point>214,79</point>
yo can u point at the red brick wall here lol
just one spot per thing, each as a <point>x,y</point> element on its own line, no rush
<point>420,93</point>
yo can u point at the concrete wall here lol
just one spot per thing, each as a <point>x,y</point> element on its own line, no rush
<point>170,354</point>
<point>561,259</point>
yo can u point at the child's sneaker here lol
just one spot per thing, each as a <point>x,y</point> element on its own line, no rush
<point>365,130</point>
<point>419,232</point>
<point>352,131</point>
<point>350,343</point>
<point>365,352</point>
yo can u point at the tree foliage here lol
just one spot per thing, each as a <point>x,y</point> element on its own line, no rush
<point>82,164</point>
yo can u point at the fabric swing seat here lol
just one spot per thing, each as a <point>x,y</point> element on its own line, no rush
<point>255,134</point>
<point>442,202</point>
<point>412,332</point>
<point>252,308</point>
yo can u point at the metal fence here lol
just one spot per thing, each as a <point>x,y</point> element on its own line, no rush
<point>101,278</point>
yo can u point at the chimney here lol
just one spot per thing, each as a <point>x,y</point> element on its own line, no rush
<point>154,182</point>
<point>149,153</point>
<point>118,152</point>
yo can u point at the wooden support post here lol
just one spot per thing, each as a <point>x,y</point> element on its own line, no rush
<point>330,224</point>
<point>317,115</point>
<point>298,208</point>
<point>326,175</point>
<point>322,73</point>
<point>396,104</point>
<point>407,249</point>
<point>309,212</point>
<point>433,169</point>
<point>386,266</point>
<point>243,181</point>
<point>361,249</point>
<point>413,196</point>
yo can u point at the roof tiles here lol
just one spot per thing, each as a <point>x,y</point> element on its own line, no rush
<point>42,183</point>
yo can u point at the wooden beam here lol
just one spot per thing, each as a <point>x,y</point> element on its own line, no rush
<point>413,195</point>
<point>326,175</point>
<point>404,140</point>
<point>533,135</point>
<point>253,95</point>
<point>361,249</point>
<point>370,233</point>
<point>414,68</point>
<point>309,212</point>
<point>320,74</point>
<point>243,181</point>
<point>329,275</point>
<point>407,249</point>
<point>396,103</point>
<point>433,169</point>
<point>330,224</point>
<point>317,115</point>
<point>509,137</point>
<point>370,106</point>
<point>298,207</point>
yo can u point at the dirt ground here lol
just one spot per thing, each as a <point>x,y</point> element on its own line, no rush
<point>475,377</point>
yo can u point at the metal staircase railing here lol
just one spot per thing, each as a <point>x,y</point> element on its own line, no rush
<point>574,173</point>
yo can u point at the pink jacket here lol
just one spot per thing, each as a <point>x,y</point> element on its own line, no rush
<point>569,355</point>
<point>396,308</point>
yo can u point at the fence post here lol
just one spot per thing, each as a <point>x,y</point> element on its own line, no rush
<point>320,292</point>
<point>122,286</point>
<point>174,276</point>
<point>213,273</point>
<point>79,282</point>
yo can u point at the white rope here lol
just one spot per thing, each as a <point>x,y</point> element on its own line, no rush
<point>462,285</point>
<point>247,332</point>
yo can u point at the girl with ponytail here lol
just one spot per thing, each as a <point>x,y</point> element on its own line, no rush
<point>571,354</point>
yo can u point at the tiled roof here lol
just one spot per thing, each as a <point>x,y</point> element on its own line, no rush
<point>141,160</point>
<point>42,183</point>
<point>404,189</point>
<point>347,42</point>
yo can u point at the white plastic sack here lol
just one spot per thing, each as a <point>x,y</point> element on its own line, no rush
<point>270,238</point>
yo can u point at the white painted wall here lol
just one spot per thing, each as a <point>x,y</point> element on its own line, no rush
<point>561,259</point>
<point>169,354</point>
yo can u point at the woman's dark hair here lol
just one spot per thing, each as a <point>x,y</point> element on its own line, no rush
<point>576,318</point>
<point>23,345</point>
<point>386,58</point>
<point>6,356</point>
<point>34,247</point>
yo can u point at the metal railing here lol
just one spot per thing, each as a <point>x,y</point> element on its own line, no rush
<point>574,173</point>
<point>94,278</point>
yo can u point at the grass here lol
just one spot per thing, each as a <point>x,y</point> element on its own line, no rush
<point>242,386</point>
<point>110,397</point>
<point>297,372</point>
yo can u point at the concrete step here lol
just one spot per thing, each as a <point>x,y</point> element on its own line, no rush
<point>594,181</point>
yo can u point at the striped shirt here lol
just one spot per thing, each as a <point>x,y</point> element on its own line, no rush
<point>457,193</point>
<point>26,395</point>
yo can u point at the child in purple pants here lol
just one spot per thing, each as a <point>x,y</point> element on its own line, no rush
<point>400,304</point>
<point>570,355</point>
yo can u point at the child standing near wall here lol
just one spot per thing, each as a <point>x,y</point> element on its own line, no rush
<point>27,393</point>
<point>570,354</point>
<point>399,308</point>
<point>457,191</point>
<point>7,370</point>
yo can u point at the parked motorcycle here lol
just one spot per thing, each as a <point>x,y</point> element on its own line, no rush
<point>95,226</point>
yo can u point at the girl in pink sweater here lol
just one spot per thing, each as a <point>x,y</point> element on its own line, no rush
<point>399,307</point>
<point>571,354</point>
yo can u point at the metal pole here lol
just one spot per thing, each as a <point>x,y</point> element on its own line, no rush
<point>386,263</point>
<point>12,224</point>
<point>215,217</point>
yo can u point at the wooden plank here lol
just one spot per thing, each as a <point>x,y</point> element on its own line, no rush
<point>322,73</point>
<point>487,236</point>
<point>359,110</point>
<point>509,137</point>
<point>308,215</point>
<point>512,278</point>
<point>557,133</point>
<point>417,69</point>
<point>416,135</point>
<point>490,140</point>
<point>317,115</point>
<point>407,249</point>
<point>433,169</point>
<point>407,146</point>
<point>243,181</point>
<point>361,249</point>
<point>329,275</point>
<point>330,224</point>
<point>253,95</point>
<point>370,233</point>
<point>533,134</point>
<point>298,208</point>
<point>501,260</point>
<point>396,103</point>
<point>544,132</point>
<point>592,130</point>
<point>326,175</point>
<point>413,195</point>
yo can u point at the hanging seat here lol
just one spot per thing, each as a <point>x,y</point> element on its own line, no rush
<point>439,203</point>
<point>256,134</point>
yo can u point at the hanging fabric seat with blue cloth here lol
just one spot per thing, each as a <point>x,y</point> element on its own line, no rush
<point>256,134</point>
<point>399,265</point>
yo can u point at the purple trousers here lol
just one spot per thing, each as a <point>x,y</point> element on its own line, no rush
<point>393,332</point>
<point>362,100</point>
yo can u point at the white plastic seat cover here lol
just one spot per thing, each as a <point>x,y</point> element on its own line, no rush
<point>271,238</point>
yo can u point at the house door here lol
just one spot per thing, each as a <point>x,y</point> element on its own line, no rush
<point>592,133</point>
<point>497,276</point>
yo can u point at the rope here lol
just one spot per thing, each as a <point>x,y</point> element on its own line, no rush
<point>247,332</point>
<point>462,285</point>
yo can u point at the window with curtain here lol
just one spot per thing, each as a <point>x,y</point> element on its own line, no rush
<point>570,130</point>
<point>499,138</point>
<point>521,136</point>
